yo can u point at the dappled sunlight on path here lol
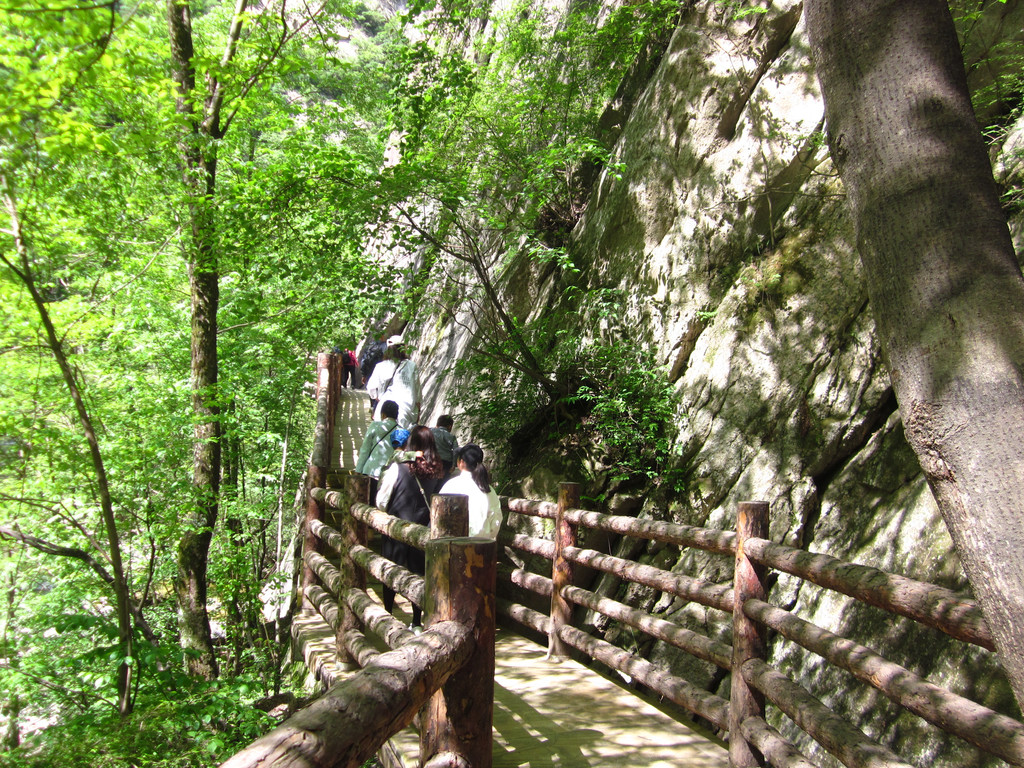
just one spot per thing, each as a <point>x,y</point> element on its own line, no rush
<point>546,713</point>
<point>551,713</point>
<point>349,427</point>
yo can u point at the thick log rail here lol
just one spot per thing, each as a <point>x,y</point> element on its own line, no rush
<point>751,740</point>
<point>446,673</point>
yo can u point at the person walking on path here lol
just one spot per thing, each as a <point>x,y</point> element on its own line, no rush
<point>373,353</point>
<point>396,378</point>
<point>405,492</point>
<point>376,450</point>
<point>447,443</point>
<point>350,370</point>
<point>474,481</point>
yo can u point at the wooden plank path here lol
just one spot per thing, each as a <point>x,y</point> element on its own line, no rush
<point>547,713</point>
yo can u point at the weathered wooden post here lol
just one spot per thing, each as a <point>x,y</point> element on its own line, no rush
<point>748,637</point>
<point>357,489</point>
<point>316,475</point>
<point>561,569</point>
<point>333,399</point>
<point>449,515</point>
<point>457,721</point>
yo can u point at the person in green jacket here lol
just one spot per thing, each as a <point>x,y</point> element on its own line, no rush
<point>377,449</point>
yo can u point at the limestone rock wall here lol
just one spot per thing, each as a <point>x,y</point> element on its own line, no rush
<point>726,227</point>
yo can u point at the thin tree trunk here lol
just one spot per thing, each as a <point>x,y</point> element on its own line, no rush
<point>943,280</point>
<point>280,483</point>
<point>122,599</point>
<point>235,588</point>
<point>199,175</point>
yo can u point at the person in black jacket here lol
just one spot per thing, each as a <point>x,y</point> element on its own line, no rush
<point>405,492</point>
<point>373,353</point>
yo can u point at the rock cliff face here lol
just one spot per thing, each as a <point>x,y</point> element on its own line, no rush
<point>725,226</point>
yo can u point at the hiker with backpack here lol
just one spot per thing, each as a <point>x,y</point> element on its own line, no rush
<point>405,492</point>
<point>376,450</point>
<point>395,378</point>
<point>372,354</point>
<point>350,370</point>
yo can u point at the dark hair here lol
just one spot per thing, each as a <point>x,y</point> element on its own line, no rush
<point>429,464</point>
<point>396,352</point>
<point>445,422</point>
<point>389,409</point>
<point>473,457</point>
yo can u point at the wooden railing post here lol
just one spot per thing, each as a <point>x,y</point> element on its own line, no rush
<point>357,489</point>
<point>333,398</point>
<point>460,580</point>
<point>316,475</point>
<point>748,637</point>
<point>449,515</point>
<point>561,569</point>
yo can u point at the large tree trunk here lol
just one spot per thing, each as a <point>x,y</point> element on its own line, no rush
<point>943,280</point>
<point>199,176</point>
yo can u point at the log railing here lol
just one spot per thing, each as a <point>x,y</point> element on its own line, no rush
<point>752,741</point>
<point>451,661</point>
<point>422,674</point>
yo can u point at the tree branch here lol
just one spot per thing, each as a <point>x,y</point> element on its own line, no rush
<point>49,548</point>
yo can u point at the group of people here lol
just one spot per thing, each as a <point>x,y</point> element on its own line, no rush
<point>408,463</point>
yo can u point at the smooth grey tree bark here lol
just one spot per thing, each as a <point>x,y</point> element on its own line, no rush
<point>944,284</point>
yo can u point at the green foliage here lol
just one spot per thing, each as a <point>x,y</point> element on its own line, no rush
<point>617,412</point>
<point>630,413</point>
<point>741,9</point>
<point>522,115</point>
<point>89,148</point>
<point>995,63</point>
<point>200,724</point>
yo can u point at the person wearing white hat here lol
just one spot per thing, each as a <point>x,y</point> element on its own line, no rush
<point>395,378</point>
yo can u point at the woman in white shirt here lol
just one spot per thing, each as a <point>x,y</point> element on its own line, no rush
<point>395,378</point>
<point>474,481</point>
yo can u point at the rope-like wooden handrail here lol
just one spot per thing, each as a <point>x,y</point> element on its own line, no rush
<point>712,708</point>
<point>834,732</point>
<point>326,572</point>
<point>776,749</point>
<point>349,723</point>
<point>532,507</point>
<point>931,605</point>
<point>324,603</point>
<point>693,643</point>
<point>1000,735</point>
<point>356,643</point>
<point>699,591</point>
<point>413,534</point>
<point>706,539</point>
<point>402,580</point>
<point>376,619</point>
<point>327,534</point>
<point>928,604</point>
<point>322,431</point>
<point>526,616</point>
<point>530,544</point>
<point>539,585</point>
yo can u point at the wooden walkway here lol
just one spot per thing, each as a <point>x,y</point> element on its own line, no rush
<point>546,713</point>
